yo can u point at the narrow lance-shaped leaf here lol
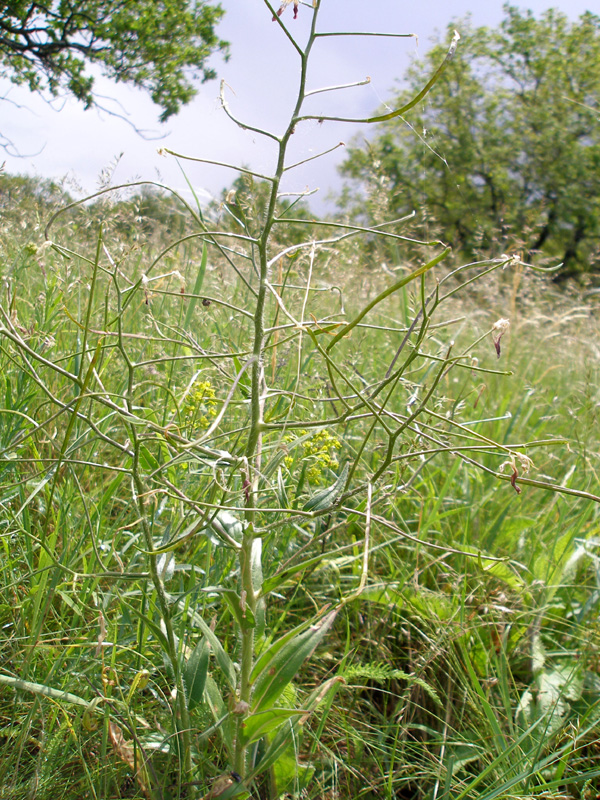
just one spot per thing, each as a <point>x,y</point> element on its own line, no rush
<point>265,722</point>
<point>329,496</point>
<point>280,671</point>
<point>223,660</point>
<point>288,732</point>
<point>195,672</point>
<point>271,652</point>
<point>218,709</point>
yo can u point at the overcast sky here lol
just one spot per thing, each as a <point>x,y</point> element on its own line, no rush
<point>61,139</point>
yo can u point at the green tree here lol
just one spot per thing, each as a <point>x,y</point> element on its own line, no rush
<point>504,153</point>
<point>157,45</point>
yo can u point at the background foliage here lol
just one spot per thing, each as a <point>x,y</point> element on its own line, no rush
<point>505,153</point>
<point>158,45</point>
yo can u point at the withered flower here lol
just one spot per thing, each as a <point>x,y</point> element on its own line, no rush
<point>498,330</point>
<point>284,5</point>
<point>525,463</point>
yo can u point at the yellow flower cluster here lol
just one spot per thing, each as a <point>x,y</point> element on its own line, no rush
<point>200,405</point>
<point>319,451</point>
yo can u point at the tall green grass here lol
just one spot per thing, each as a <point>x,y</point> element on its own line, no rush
<point>276,521</point>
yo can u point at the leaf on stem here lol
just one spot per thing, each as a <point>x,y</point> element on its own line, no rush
<point>195,672</point>
<point>328,497</point>
<point>279,671</point>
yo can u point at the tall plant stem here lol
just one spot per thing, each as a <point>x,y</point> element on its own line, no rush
<point>254,443</point>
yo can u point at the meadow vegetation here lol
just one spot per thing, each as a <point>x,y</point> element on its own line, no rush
<point>286,510</point>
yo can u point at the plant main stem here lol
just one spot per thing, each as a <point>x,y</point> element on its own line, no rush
<point>253,450</point>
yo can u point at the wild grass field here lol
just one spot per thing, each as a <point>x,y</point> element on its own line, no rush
<point>290,507</point>
<point>463,660</point>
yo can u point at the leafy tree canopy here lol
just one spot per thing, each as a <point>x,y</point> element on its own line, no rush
<point>504,154</point>
<point>158,45</point>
